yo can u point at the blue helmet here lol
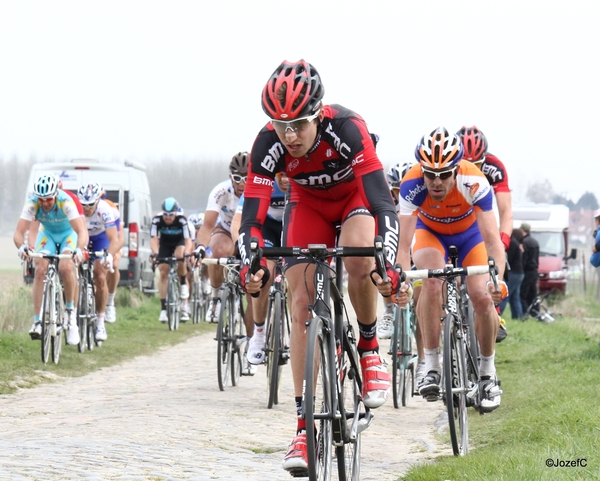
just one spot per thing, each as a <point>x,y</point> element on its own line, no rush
<point>170,204</point>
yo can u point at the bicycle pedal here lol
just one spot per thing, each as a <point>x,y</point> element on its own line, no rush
<point>298,473</point>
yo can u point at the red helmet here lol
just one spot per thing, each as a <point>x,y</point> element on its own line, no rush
<point>475,144</point>
<point>294,90</point>
<point>439,149</point>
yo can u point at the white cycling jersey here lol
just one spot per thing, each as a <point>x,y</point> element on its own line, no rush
<point>222,199</point>
<point>102,218</point>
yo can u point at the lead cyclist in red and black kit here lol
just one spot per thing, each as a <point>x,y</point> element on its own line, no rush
<point>336,178</point>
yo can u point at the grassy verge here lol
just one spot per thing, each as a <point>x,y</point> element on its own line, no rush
<point>136,332</point>
<point>550,377</point>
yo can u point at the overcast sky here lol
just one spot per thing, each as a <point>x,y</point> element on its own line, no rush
<point>147,80</point>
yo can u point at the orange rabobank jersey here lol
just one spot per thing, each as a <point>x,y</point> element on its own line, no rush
<point>456,213</point>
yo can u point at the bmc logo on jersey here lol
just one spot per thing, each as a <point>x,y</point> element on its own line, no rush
<point>271,159</point>
<point>262,181</point>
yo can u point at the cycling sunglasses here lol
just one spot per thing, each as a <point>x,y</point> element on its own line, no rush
<point>45,200</point>
<point>443,175</point>
<point>297,125</point>
<point>169,214</point>
<point>238,178</point>
<point>90,205</point>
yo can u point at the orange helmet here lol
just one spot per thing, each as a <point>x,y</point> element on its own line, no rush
<point>294,90</point>
<point>439,149</point>
<point>475,144</point>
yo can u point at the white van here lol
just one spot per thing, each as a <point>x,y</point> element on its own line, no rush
<point>126,184</point>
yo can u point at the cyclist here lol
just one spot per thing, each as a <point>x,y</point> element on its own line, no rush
<point>448,201</point>
<point>329,156</point>
<point>63,232</point>
<point>386,325</point>
<point>170,237</point>
<point>271,230</point>
<point>35,226</point>
<point>113,278</point>
<point>475,147</point>
<point>102,230</point>
<point>215,233</point>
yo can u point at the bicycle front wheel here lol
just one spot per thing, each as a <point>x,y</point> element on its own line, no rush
<point>47,318</point>
<point>61,324</point>
<point>274,348</point>
<point>238,338</point>
<point>224,342</point>
<point>195,302</point>
<point>82,314</point>
<point>354,417</point>
<point>173,304</point>
<point>455,383</point>
<point>318,401</point>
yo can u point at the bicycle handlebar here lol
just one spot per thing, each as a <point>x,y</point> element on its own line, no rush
<point>222,261</point>
<point>451,272</point>
<point>41,255</point>
<point>319,251</point>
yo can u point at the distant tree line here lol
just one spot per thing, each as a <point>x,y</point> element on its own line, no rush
<point>543,192</point>
<point>190,182</point>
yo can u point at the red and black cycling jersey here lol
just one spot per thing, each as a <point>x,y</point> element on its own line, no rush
<point>343,161</point>
<point>495,172</point>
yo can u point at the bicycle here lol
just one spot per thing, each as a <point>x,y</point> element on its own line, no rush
<point>173,289</point>
<point>86,306</point>
<point>199,297</point>
<point>231,330</point>
<point>277,347</point>
<point>332,392</point>
<point>403,359</point>
<point>53,307</point>
<point>538,309</point>
<point>460,383</point>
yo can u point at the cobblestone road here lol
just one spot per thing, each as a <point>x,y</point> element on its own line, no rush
<point>164,418</point>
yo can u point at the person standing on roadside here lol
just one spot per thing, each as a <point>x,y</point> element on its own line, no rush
<point>531,257</point>
<point>514,257</point>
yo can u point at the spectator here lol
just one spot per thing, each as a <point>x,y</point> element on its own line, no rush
<point>515,275</point>
<point>531,255</point>
<point>595,258</point>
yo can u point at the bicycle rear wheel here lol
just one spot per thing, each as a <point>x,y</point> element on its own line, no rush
<point>274,349</point>
<point>224,341</point>
<point>47,317</point>
<point>318,401</point>
<point>455,383</point>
